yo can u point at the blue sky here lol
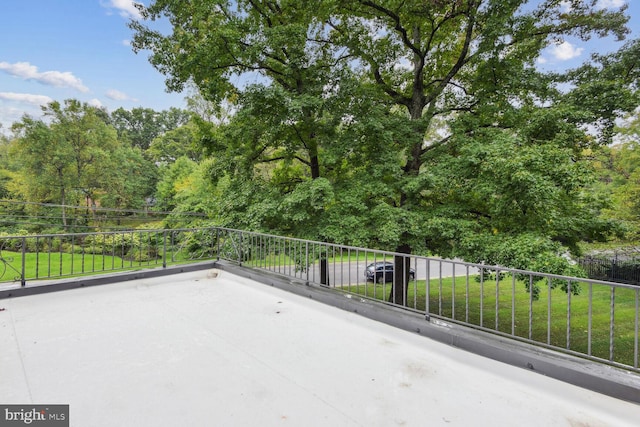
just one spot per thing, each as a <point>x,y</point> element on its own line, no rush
<point>60,49</point>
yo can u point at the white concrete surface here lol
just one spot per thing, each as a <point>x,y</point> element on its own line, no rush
<point>199,350</point>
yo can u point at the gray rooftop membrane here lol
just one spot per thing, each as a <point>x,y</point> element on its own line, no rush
<point>211,348</point>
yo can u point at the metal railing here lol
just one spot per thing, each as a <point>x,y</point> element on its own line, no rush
<point>52,256</point>
<point>594,319</point>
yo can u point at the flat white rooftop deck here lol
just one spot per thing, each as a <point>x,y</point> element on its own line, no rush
<point>213,349</point>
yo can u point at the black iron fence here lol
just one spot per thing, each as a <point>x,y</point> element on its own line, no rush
<point>614,269</point>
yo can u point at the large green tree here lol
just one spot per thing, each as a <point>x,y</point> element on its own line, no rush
<point>279,46</point>
<point>618,168</point>
<point>72,156</point>
<point>428,121</point>
<point>176,143</point>
<point>140,125</point>
<point>469,62</point>
<point>281,135</point>
<point>63,155</point>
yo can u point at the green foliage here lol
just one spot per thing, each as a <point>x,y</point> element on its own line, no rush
<point>606,88</point>
<point>402,125</point>
<point>140,126</point>
<point>618,169</point>
<point>531,252</point>
<point>73,157</point>
<point>306,202</point>
<point>175,143</point>
<point>127,245</point>
<point>131,179</point>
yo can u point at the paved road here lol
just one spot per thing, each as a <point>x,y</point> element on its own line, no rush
<point>353,272</point>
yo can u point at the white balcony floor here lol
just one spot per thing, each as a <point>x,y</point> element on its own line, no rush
<point>198,350</point>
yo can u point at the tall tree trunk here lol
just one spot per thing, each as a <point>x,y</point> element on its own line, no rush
<point>314,167</point>
<point>324,271</point>
<point>401,269</point>
<point>402,263</point>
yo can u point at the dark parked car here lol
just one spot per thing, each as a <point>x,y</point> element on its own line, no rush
<point>383,272</point>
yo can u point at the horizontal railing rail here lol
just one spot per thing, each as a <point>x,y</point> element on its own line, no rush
<point>593,319</point>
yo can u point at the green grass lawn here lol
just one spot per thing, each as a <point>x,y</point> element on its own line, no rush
<point>45,265</point>
<point>549,314</point>
<point>56,264</point>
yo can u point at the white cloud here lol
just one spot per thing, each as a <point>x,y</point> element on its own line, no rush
<point>565,7</point>
<point>26,71</point>
<point>125,8</point>
<point>8,116</point>
<point>565,51</point>
<point>611,4</point>
<point>15,105</point>
<point>403,65</point>
<point>116,95</point>
<point>95,103</point>
<point>26,98</point>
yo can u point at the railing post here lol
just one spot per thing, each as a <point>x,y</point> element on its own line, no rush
<point>164,249</point>
<point>23,281</point>
<point>306,260</point>
<point>218,243</point>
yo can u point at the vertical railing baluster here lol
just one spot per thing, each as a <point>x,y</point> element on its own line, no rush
<point>549,287</point>
<point>218,243</point>
<point>635,340</point>
<point>482,272</point>
<point>497,316</point>
<point>453,290</point>
<point>73,244</point>
<point>164,249</point>
<point>440,287</point>
<point>568,314</point>
<point>513,303</point>
<point>37,250</point>
<point>82,255</point>
<point>590,319</point>
<point>427,306</point>
<point>612,322</point>
<point>23,280</point>
<point>333,250</point>
<point>306,259</point>
<point>415,282</point>
<point>93,253</point>
<point>466,298</point>
<point>530,306</point>
<point>60,250</point>
<point>49,257</point>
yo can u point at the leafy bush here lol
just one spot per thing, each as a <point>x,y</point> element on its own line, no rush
<point>526,252</point>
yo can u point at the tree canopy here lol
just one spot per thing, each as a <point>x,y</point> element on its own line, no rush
<point>73,157</point>
<point>407,125</point>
